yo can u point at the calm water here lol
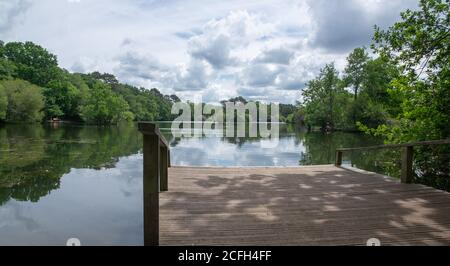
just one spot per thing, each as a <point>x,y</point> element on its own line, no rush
<point>86,182</point>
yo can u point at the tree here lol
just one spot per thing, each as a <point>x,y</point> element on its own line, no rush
<point>355,70</point>
<point>105,77</point>
<point>287,110</point>
<point>34,63</point>
<point>25,101</point>
<point>105,107</point>
<point>82,87</point>
<point>3,103</point>
<point>7,69</point>
<point>174,98</point>
<point>320,98</point>
<point>419,45</point>
<point>238,99</point>
<point>377,84</point>
<point>66,93</point>
<point>62,99</point>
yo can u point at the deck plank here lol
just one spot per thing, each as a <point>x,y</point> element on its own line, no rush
<point>316,205</point>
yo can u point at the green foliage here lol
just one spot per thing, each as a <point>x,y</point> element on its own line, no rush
<point>105,77</point>
<point>324,98</point>
<point>402,95</point>
<point>147,105</point>
<point>287,112</point>
<point>174,98</point>
<point>329,105</point>
<point>3,103</point>
<point>44,154</point>
<point>238,99</point>
<point>297,117</point>
<point>68,96</point>
<point>62,99</point>
<point>33,63</point>
<point>105,107</point>
<point>355,71</point>
<point>25,101</point>
<point>377,85</point>
<point>7,69</point>
<point>419,45</point>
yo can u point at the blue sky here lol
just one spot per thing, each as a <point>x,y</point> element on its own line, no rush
<point>260,49</point>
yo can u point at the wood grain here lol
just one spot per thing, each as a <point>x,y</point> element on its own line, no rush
<point>316,205</point>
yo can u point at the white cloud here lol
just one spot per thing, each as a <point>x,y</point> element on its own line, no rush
<point>191,77</point>
<point>215,50</point>
<point>85,65</point>
<point>222,37</point>
<point>342,25</point>
<point>261,75</point>
<point>10,10</point>
<point>277,56</point>
<point>262,49</point>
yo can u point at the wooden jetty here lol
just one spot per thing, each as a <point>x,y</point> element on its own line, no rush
<point>311,205</point>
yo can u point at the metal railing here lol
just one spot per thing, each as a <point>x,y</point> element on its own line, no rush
<point>407,155</point>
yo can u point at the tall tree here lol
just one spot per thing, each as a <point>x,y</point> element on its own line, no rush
<point>379,74</point>
<point>355,69</point>
<point>319,97</point>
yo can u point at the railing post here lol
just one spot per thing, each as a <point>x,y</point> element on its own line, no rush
<point>151,184</point>
<point>168,158</point>
<point>164,186</point>
<point>407,165</point>
<point>338,158</point>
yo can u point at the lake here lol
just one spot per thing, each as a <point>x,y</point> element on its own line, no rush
<point>64,181</point>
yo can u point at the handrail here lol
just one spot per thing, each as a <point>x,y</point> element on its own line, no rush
<point>407,155</point>
<point>147,128</point>
<point>420,143</point>
<point>156,154</point>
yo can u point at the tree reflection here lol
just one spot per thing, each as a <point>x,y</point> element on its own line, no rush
<point>321,148</point>
<point>34,158</point>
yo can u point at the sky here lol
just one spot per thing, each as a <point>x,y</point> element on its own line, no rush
<point>201,50</point>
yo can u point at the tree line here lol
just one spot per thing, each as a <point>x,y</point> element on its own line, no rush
<point>34,88</point>
<point>359,95</point>
<point>401,92</point>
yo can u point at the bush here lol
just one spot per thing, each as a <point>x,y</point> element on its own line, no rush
<point>24,101</point>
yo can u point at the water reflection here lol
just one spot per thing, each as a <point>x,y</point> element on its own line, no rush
<point>295,146</point>
<point>34,158</point>
<point>58,182</point>
<point>99,208</point>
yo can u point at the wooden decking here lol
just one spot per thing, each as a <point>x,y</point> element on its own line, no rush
<point>317,205</point>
